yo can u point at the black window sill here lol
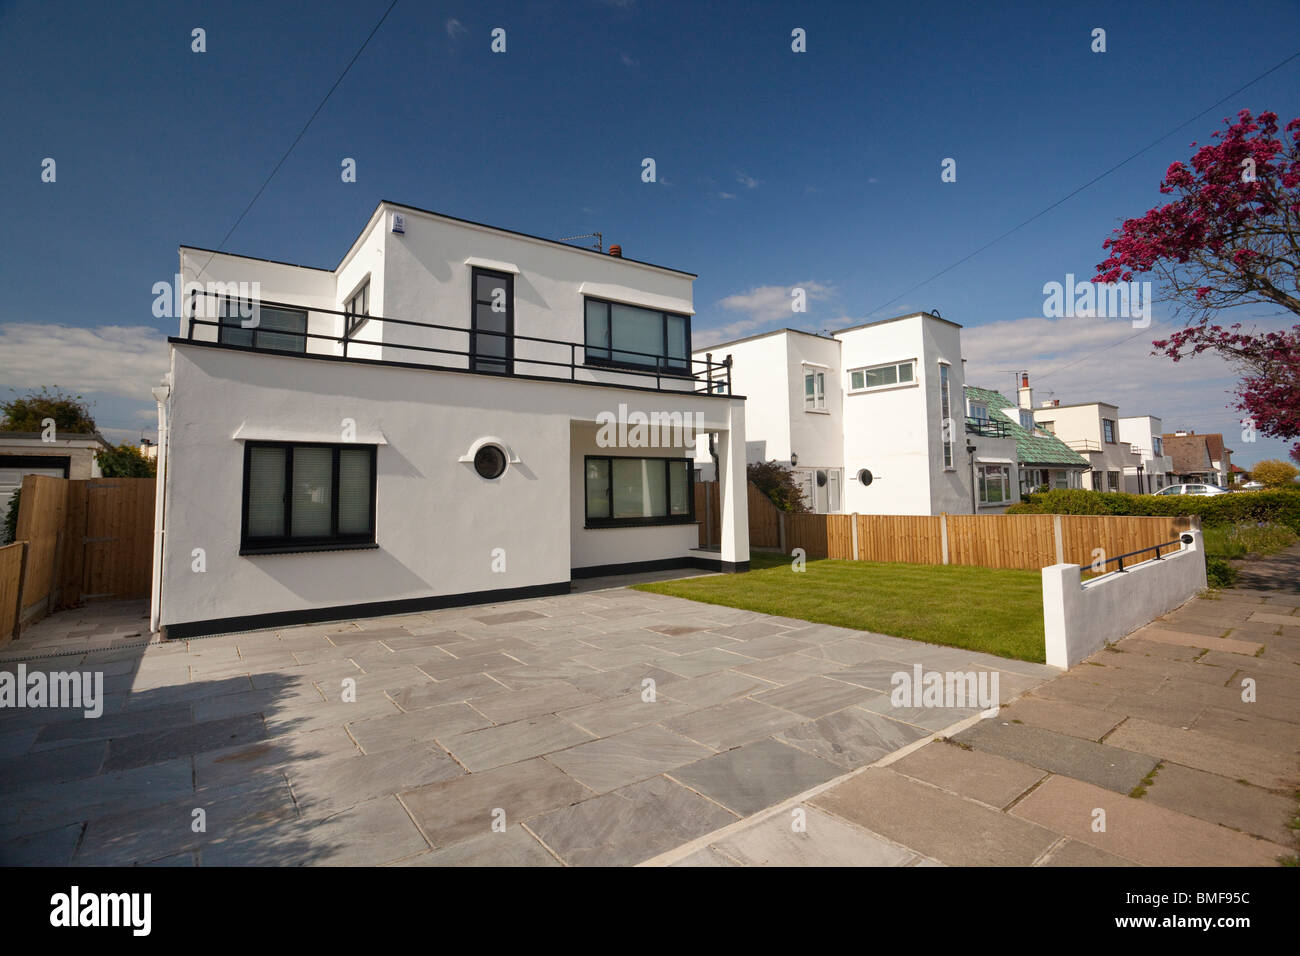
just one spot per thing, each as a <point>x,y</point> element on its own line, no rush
<point>252,550</point>
<point>638,523</point>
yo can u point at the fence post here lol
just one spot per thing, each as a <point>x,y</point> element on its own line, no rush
<point>1059,538</point>
<point>780,516</point>
<point>855,536</point>
<point>943,534</point>
<point>22,580</point>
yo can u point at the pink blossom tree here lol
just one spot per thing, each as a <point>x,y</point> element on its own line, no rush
<point>1230,237</point>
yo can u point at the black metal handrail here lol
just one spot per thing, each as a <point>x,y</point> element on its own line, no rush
<point>988,428</point>
<point>714,377</point>
<point>1156,548</point>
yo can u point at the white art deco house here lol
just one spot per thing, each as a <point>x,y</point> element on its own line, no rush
<point>870,417</point>
<point>456,413</point>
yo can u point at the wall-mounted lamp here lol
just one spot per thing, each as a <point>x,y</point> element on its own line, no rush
<point>794,459</point>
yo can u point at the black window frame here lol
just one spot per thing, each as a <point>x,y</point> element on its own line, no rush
<point>612,522</point>
<point>284,543</point>
<point>223,305</point>
<point>491,364</point>
<point>662,362</point>
<point>355,320</point>
<point>1108,427</point>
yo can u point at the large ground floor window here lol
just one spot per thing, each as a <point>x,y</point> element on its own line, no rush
<point>994,484</point>
<point>638,491</point>
<point>307,497</point>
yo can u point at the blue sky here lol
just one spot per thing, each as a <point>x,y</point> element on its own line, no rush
<point>775,169</point>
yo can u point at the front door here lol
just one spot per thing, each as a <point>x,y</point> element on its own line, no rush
<point>492,345</point>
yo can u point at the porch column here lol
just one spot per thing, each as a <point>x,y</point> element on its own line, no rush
<point>733,491</point>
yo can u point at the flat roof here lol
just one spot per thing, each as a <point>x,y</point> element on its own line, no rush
<point>429,212</point>
<point>1048,408</point>
<point>763,335</point>
<point>898,318</point>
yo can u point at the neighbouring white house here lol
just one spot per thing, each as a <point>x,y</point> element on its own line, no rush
<point>1013,456</point>
<point>55,455</point>
<point>866,416</point>
<point>455,413</point>
<point>1152,469</point>
<point>1092,430</point>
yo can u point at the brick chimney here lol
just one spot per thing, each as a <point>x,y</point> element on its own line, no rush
<point>1025,393</point>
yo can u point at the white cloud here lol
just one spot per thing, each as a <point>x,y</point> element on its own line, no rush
<point>761,306</point>
<point>1078,360</point>
<point>455,28</point>
<point>628,61</point>
<point>725,195</point>
<point>749,182</point>
<point>125,361</point>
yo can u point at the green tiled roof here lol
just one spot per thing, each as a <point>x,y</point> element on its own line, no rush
<point>1032,448</point>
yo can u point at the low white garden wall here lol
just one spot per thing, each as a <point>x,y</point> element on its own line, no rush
<point>1080,618</point>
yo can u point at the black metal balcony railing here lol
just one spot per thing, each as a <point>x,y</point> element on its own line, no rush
<point>988,428</point>
<point>503,357</point>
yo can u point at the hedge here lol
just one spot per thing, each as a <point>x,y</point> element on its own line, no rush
<point>1282,506</point>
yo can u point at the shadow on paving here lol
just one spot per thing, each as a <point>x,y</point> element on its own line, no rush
<point>166,773</point>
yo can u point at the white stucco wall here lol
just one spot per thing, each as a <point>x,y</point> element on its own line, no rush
<point>1079,618</point>
<point>437,521</point>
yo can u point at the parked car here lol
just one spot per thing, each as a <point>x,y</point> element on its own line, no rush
<point>1193,490</point>
<point>1252,486</point>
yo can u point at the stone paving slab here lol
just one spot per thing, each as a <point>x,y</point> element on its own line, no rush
<point>940,825</point>
<point>1138,830</point>
<point>1223,644</point>
<point>629,825</point>
<point>1231,803</point>
<point>1203,751</point>
<point>733,723</point>
<point>852,737</point>
<point>824,840</point>
<point>614,762</point>
<point>464,807</point>
<point>1061,717</point>
<point>514,846</point>
<point>980,776</point>
<point>755,776</point>
<point>1106,766</point>
<point>1072,853</point>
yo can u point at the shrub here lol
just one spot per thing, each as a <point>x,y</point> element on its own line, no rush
<point>1274,473</point>
<point>1219,573</point>
<point>777,482</point>
<point>1279,506</point>
<point>1240,540</point>
<point>9,530</point>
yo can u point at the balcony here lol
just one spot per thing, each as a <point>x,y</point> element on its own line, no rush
<point>1083,445</point>
<point>988,428</point>
<point>282,328</point>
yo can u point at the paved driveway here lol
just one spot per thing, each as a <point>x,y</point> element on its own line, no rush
<point>601,727</point>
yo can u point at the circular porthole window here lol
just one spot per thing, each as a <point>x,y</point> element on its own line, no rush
<point>490,462</point>
<point>821,479</point>
<point>865,477</point>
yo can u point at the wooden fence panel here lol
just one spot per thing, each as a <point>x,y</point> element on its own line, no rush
<point>1024,542</point>
<point>764,520</point>
<point>1116,535</point>
<point>913,539</point>
<point>118,538</point>
<point>11,581</point>
<point>807,532</point>
<point>839,537</point>
<point>42,515</point>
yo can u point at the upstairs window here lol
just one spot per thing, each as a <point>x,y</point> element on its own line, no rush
<point>283,330</point>
<point>1108,431</point>
<point>636,337</point>
<point>1049,427</point>
<point>945,414</point>
<point>307,497</point>
<point>358,308</point>
<point>814,390</point>
<point>881,376</point>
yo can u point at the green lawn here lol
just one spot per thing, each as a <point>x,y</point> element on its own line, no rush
<point>982,609</point>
